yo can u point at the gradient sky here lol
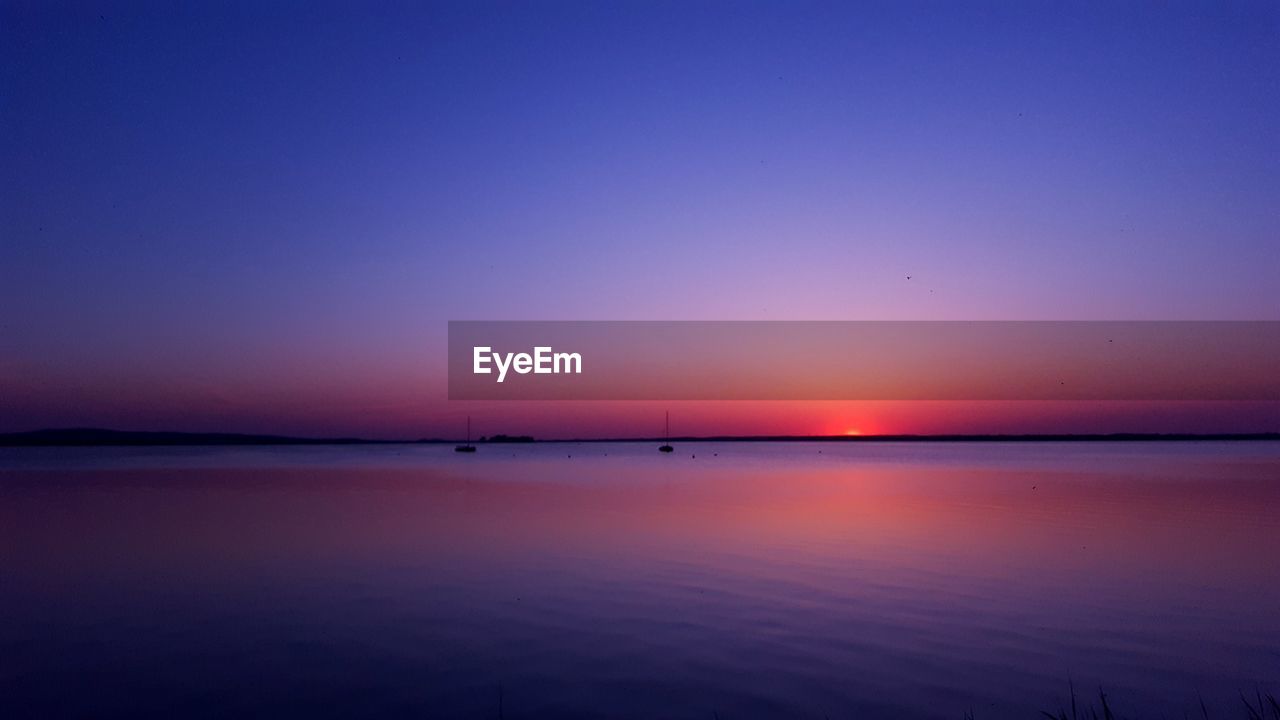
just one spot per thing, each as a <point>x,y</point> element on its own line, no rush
<point>259,216</point>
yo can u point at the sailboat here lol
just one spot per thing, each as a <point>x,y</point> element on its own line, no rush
<point>666,436</point>
<point>468,447</point>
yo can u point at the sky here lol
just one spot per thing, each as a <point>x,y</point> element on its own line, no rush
<point>259,217</point>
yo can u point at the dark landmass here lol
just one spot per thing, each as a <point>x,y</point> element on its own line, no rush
<point>95,436</point>
<point>99,437</point>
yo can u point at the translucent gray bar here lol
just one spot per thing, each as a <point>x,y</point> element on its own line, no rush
<point>864,360</point>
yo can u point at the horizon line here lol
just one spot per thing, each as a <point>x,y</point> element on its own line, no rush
<point>83,436</point>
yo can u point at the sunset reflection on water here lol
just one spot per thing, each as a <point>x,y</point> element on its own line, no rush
<point>798,579</point>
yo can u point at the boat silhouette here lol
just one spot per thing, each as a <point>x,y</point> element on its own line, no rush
<point>468,447</point>
<point>666,436</point>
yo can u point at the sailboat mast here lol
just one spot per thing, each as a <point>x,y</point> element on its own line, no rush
<point>666,429</point>
<point>468,429</point>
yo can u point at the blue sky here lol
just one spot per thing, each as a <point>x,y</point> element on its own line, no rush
<point>224,195</point>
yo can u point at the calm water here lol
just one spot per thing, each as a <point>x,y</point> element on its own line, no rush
<point>753,580</point>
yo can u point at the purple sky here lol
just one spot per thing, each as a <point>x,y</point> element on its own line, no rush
<point>259,217</point>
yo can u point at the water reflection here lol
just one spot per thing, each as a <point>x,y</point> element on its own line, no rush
<point>796,580</point>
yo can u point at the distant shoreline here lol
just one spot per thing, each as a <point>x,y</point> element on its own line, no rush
<point>95,437</point>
